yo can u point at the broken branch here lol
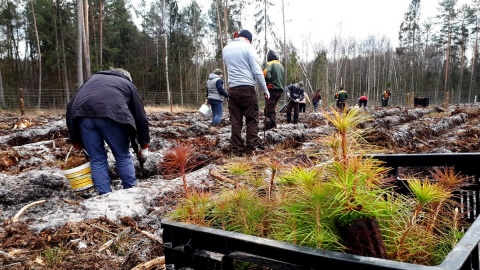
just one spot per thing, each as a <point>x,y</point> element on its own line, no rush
<point>17,216</point>
<point>160,261</point>
<point>222,178</point>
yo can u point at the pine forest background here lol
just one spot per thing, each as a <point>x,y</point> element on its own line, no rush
<point>50,47</point>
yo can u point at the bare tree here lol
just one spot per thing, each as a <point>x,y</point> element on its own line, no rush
<point>39,58</point>
<point>164,15</point>
<point>86,46</point>
<point>79,42</point>
<point>101,33</point>
<point>2,91</point>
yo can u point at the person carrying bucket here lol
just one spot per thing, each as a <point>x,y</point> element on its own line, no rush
<point>215,95</point>
<point>107,108</point>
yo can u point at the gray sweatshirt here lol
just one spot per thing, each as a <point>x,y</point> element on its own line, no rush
<point>242,66</point>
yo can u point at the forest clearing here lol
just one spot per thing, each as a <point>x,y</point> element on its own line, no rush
<point>121,230</point>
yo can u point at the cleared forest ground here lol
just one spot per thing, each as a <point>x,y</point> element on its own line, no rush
<point>122,230</point>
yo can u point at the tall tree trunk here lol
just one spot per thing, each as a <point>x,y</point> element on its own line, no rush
<point>265,32</point>
<point>39,58</point>
<point>284,49</point>
<point>94,36</point>
<point>474,63</point>
<point>56,27</point>
<point>166,54</point>
<point>2,92</point>
<point>79,43</point>
<point>225,21</point>
<point>220,35</point>
<point>447,63</point>
<point>462,68</point>
<point>101,34</point>
<point>86,45</point>
<point>197,68</point>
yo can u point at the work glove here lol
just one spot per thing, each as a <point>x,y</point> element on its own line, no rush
<point>143,153</point>
<point>266,95</point>
<point>288,94</point>
<point>297,100</point>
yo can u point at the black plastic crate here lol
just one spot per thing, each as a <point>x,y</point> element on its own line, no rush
<point>190,246</point>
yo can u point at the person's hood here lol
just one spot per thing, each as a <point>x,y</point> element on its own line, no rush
<point>213,76</point>
<point>271,56</point>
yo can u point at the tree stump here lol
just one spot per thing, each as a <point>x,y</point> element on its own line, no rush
<point>363,237</point>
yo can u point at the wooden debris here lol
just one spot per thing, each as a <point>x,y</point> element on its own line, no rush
<point>111,241</point>
<point>22,124</point>
<point>17,216</point>
<point>73,202</point>
<point>102,229</point>
<point>151,236</point>
<point>220,177</point>
<point>6,255</point>
<point>157,262</point>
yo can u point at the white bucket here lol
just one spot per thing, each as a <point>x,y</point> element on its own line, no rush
<point>205,110</point>
<point>80,177</point>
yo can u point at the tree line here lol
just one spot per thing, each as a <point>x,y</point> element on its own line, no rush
<point>47,45</point>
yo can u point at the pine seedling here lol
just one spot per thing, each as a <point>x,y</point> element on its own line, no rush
<point>195,208</point>
<point>182,159</point>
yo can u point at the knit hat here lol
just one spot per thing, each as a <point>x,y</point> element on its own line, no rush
<point>246,34</point>
<point>300,84</point>
<point>271,56</point>
<point>218,71</point>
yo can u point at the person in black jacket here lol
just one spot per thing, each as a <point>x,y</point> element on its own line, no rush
<point>295,93</point>
<point>107,108</point>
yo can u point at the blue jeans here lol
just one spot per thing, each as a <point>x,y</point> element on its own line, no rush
<point>95,132</point>
<point>217,110</point>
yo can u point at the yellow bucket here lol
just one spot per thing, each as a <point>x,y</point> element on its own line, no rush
<point>80,177</point>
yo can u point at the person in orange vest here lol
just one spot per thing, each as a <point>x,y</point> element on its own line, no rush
<point>386,97</point>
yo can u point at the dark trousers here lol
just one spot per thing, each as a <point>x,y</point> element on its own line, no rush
<point>341,104</point>
<point>269,111</point>
<point>242,102</point>
<point>302,107</point>
<point>292,105</point>
<point>362,103</point>
<point>384,102</point>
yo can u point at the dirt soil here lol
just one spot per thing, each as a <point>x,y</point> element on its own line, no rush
<point>121,230</point>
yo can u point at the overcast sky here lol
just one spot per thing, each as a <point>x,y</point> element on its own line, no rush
<point>310,22</point>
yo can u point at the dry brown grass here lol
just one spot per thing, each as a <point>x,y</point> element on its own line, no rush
<point>149,109</point>
<point>174,109</point>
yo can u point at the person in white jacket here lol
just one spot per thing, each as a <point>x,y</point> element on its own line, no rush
<point>302,105</point>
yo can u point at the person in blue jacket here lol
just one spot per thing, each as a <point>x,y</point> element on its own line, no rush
<point>107,109</point>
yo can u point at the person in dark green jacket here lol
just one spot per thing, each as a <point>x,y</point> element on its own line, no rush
<point>274,74</point>
<point>342,99</point>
